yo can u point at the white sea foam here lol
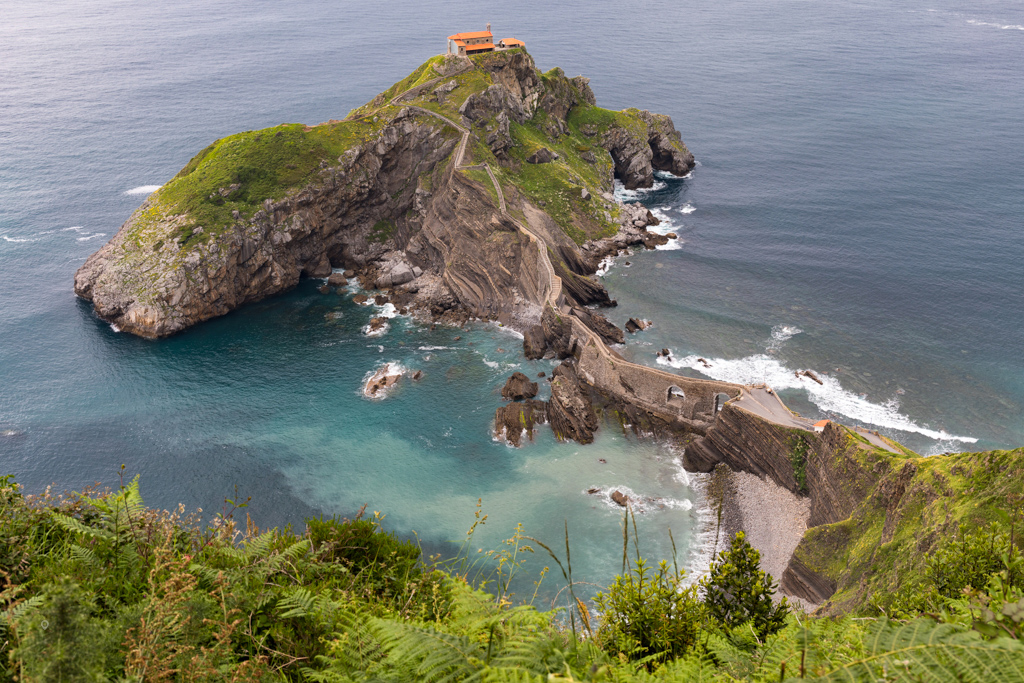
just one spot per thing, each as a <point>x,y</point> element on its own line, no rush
<point>688,208</point>
<point>6,238</point>
<point>388,369</point>
<point>143,189</point>
<point>437,348</point>
<point>665,226</point>
<point>638,503</point>
<point>492,364</point>
<point>672,176</point>
<point>624,195</point>
<point>1005,27</point>
<point>605,265</point>
<point>89,237</point>
<point>379,332</point>
<point>829,396</point>
<point>114,327</point>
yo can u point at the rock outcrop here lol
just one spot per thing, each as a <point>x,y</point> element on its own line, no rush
<point>638,155</point>
<point>378,193</point>
<point>513,420</point>
<point>518,387</point>
<point>570,411</point>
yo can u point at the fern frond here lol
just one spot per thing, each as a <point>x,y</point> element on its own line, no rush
<point>510,675</point>
<point>87,557</point>
<point>926,651</point>
<point>434,656</point>
<point>258,547</point>
<point>78,527</point>
<point>22,609</point>
<point>298,602</point>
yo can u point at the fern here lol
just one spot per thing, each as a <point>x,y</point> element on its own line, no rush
<point>15,614</point>
<point>511,675</point>
<point>925,651</point>
<point>78,527</point>
<point>87,557</point>
<point>434,656</point>
<point>298,602</point>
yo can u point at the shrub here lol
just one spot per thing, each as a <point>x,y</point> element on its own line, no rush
<point>736,591</point>
<point>649,613</point>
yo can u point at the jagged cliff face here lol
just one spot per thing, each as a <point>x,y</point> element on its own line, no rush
<point>380,193</point>
<point>876,514</point>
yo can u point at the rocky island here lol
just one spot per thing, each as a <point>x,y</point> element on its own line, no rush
<point>463,190</point>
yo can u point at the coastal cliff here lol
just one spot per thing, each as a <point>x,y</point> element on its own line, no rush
<point>877,510</point>
<point>418,192</point>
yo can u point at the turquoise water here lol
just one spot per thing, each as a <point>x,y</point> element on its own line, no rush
<point>858,206</point>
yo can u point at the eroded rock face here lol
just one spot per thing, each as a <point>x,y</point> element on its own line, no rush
<point>515,419</point>
<point>570,412</point>
<point>636,157</point>
<point>518,387</point>
<point>604,328</point>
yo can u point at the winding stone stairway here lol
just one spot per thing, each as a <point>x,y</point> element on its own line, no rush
<point>602,367</point>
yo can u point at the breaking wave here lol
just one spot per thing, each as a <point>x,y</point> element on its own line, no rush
<point>829,396</point>
<point>665,226</point>
<point>639,503</point>
<point>624,195</point>
<point>1005,27</point>
<point>6,238</point>
<point>143,189</point>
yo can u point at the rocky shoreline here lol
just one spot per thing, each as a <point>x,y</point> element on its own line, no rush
<point>394,207</point>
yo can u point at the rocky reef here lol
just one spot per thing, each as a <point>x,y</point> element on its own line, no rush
<point>394,194</point>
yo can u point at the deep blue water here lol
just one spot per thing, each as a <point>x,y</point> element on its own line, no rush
<point>857,211</point>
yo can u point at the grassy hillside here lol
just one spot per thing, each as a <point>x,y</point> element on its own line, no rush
<point>95,586</point>
<point>879,557</point>
<point>233,176</point>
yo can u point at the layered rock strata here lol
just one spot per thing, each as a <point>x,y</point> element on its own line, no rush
<point>380,194</point>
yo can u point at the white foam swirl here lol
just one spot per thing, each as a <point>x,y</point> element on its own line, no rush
<point>830,396</point>
<point>142,189</point>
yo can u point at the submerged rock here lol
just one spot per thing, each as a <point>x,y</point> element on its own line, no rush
<point>378,384</point>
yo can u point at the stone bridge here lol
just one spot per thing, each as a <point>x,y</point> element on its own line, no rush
<point>681,401</point>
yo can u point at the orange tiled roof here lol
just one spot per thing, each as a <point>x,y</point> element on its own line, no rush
<point>513,41</point>
<point>479,46</point>
<point>471,35</point>
<point>459,43</point>
<point>821,423</point>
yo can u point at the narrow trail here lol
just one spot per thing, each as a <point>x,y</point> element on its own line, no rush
<point>553,284</point>
<point>756,400</point>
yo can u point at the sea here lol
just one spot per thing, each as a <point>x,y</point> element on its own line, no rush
<point>857,210</point>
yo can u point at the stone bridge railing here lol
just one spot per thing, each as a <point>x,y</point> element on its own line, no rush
<point>687,402</point>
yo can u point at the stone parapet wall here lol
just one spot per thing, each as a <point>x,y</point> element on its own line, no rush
<point>645,387</point>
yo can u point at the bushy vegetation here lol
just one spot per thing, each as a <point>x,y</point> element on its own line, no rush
<point>239,172</point>
<point>95,587</point>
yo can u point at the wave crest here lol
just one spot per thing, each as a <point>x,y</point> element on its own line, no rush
<point>829,396</point>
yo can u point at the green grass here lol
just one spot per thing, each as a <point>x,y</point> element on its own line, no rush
<point>382,231</point>
<point>962,491</point>
<point>480,176</point>
<point>264,164</point>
